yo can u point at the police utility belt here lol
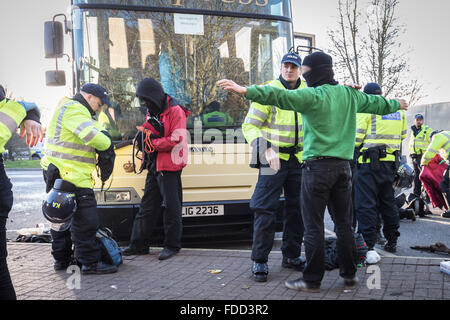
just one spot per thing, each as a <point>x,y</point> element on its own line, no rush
<point>377,153</point>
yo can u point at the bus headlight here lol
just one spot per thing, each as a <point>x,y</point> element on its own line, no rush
<point>117,196</point>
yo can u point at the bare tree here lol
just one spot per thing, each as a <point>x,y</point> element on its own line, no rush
<point>345,40</point>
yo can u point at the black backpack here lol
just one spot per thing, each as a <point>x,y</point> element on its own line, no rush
<point>331,261</point>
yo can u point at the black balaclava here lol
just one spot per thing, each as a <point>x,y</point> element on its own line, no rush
<point>152,96</point>
<point>321,73</point>
<point>2,93</point>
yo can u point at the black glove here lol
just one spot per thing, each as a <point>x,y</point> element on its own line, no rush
<point>106,160</point>
<point>50,176</point>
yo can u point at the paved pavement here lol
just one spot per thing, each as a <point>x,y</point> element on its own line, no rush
<point>186,276</point>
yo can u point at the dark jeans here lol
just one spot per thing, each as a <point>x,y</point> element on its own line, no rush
<point>327,182</point>
<point>417,170</point>
<point>265,204</point>
<point>6,201</point>
<point>83,229</point>
<point>163,194</point>
<point>374,195</point>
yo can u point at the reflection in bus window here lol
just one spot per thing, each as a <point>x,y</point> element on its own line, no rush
<point>119,48</point>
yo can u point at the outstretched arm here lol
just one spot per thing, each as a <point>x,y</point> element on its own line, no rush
<point>297,100</point>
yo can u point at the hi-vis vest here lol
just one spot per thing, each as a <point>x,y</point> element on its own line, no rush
<point>72,138</point>
<point>375,130</point>
<point>216,119</point>
<point>11,116</point>
<point>440,141</point>
<point>275,125</point>
<point>419,143</point>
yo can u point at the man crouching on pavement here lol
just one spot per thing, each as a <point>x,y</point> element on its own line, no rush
<point>165,133</point>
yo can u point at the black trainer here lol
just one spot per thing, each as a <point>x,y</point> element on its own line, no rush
<point>446,214</point>
<point>297,264</point>
<point>302,285</point>
<point>391,247</point>
<point>61,265</point>
<point>260,271</point>
<point>166,254</point>
<point>350,283</point>
<point>98,268</point>
<point>133,251</point>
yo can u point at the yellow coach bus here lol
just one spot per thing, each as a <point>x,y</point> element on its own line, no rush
<point>187,45</point>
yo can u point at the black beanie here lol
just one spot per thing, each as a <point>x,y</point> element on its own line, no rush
<point>321,73</point>
<point>373,88</point>
<point>2,93</point>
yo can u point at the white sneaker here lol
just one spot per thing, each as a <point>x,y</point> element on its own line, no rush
<point>372,257</point>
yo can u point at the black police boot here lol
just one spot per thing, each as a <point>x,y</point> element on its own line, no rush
<point>302,285</point>
<point>380,239</point>
<point>61,265</point>
<point>98,268</point>
<point>132,250</point>
<point>166,254</point>
<point>410,214</point>
<point>391,246</point>
<point>260,271</point>
<point>446,214</point>
<point>350,283</point>
<point>297,264</point>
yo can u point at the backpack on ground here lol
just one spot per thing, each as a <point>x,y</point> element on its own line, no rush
<point>111,253</point>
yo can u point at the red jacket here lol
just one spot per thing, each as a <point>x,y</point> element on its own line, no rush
<point>172,148</point>
<point>431,177</point>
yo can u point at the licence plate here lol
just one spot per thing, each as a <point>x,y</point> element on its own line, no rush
<point>203,211</point>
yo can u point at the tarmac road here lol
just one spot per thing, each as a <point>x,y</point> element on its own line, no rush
<point>29,191</point>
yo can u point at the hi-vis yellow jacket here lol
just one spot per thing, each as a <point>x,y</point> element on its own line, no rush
<point>72,138</point>
<point>274,125</point>
<point>375,130</point>
<point>11,116</point>
<point>440,141</point>
<point>419,144</point>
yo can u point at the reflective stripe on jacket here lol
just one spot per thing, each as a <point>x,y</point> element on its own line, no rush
<point>11,116</point>
<point>419,143</point>
<point>440,141</point>
<point>72,140</point>
<point>274,124</point>
<point>375,130</point>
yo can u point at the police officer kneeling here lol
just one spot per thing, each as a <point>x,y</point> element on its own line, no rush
<point>74,138</point>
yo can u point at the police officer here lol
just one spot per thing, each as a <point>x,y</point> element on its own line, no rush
<point>381,138</point>
<point>165,131</point>
<point>74,138</point>
<point>12,115</point>
<point>277,138</point>
<point>440,140</point>
<point>418,144</point>
<point>329,119</point>
<point>214,117</point>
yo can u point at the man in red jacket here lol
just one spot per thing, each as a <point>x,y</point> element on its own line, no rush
<point>163,192</point>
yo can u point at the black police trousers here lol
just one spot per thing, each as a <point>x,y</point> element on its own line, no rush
<point>6,201</point>
<point>374,194</point>
<point>163,194</point>
<point>83,229</point>
<point>265,204</point>
<point>417,183</point>
<point>327,182</point>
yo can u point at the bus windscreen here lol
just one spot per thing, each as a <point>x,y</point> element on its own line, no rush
<point>186,53</point>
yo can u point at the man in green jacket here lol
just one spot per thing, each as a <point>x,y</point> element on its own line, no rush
<point>329,116</point>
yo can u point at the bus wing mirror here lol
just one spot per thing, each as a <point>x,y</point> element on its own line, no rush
<point>55,78</point>
<point>53,39</point>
